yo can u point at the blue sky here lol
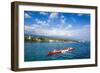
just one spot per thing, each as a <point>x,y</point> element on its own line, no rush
<point>57,24</point>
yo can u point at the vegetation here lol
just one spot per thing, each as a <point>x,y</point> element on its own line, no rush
<point>45,39</point>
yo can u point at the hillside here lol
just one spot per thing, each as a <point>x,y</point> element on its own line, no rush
<point>28,38</point>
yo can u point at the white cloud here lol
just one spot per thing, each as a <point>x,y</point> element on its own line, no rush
<point>28,28</point>
<point>61,32</point>
<point>86,26</point>
<point>80,14</point>
<point>68,31</point>
<point>82,33</point>
<point>73,19</point>
<point>42,23</point>
<point>39,22</point>
<point>66,27</point>
<point>27,15</point>
<point>53,15</point>
<point>62,17</point>
<point>49,20</point>
<point>62,21</point>
<point>69,26</point>
<point>45,30</point>
<point>44,13</point>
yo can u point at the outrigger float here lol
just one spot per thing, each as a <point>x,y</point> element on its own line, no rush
<point>60,51</point>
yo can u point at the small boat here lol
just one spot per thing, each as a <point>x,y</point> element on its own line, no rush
<point>60,51</point>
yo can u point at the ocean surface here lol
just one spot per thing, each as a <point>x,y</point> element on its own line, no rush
<point>39,51</point>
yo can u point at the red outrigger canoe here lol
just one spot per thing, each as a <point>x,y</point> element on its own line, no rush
<point>60,51</point>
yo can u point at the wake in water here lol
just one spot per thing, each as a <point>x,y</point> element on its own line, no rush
<point>60,51</point>
<point>63,54</point>
<point>57,51</point>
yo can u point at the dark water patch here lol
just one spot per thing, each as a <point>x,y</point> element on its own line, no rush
<point>39,51</point>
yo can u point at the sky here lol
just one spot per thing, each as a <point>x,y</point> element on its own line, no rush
<point>57,24</point>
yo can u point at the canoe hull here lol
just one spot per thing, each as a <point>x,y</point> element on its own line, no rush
<point>60,51</point>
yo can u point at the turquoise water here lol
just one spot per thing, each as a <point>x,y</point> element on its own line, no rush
<point>38,51</point>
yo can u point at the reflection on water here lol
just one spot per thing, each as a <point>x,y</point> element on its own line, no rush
<point>39,51</point>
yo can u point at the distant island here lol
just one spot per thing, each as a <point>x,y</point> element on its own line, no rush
<point>30,38</point>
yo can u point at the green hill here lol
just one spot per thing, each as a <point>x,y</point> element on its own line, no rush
<point>28,38</point>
